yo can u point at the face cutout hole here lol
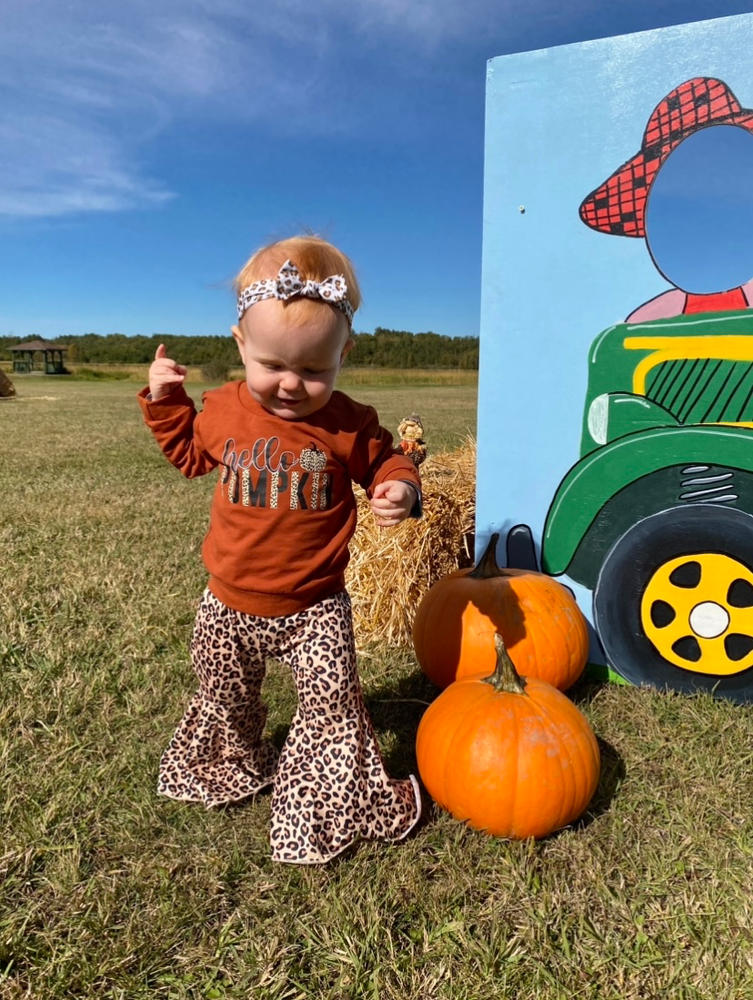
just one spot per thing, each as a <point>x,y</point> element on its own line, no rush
<point>699,214</point>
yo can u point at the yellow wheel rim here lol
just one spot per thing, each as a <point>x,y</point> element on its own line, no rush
<point>697,611</point>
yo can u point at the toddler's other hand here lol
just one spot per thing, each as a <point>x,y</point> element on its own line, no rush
<point>164,374</point>
<point>392,502</point>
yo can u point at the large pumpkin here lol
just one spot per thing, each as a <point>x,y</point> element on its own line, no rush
<point>509,755</point>
<point>538,618</point>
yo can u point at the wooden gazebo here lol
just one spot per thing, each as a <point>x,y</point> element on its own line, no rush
<point>39,356</point>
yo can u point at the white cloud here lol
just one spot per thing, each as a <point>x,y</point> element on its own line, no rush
<point>85,85</point>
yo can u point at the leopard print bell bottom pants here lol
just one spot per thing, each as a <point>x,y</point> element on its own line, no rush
<point>330,787</point>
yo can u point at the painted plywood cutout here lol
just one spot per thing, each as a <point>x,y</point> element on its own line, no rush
<point>654,520</point>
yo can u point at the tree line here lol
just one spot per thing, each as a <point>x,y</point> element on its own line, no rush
<point>383,348</point>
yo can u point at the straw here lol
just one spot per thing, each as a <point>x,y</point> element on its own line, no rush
<point>392,568</point>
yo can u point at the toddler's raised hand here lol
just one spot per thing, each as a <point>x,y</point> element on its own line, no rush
<point>164,374</point>
<point>391,502</point>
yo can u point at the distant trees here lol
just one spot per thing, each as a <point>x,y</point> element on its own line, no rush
<point>383,348</point>
<point>402,349</point>
<point>116,348</point>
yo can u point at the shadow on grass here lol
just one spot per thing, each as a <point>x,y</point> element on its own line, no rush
<point>610,779</point>
<point>396,708</point>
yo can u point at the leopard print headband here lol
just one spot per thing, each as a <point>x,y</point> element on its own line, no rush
<point>288,285</point>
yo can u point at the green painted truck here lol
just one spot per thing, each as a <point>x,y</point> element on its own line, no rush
<point>656,517</point>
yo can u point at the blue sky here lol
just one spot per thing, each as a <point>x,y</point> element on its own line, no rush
<point>147,148</point>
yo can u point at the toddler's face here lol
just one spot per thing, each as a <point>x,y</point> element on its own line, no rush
<point>291,367</point>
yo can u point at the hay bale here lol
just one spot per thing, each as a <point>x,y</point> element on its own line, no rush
<point>392,568</point>
<point>7,389</point>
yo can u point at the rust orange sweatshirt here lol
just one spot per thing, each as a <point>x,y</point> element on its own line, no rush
<point>283,510</point>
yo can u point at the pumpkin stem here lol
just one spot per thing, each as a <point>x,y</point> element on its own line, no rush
<point>487,567</point>
<point>505,676</point>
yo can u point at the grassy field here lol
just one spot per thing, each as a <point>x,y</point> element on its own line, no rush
<point>109,892</point>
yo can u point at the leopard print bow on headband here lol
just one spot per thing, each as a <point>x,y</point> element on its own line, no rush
<point>288,285</point>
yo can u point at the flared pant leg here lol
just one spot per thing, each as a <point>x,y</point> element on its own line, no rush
<point>217,754</point>
<point>331,787</point>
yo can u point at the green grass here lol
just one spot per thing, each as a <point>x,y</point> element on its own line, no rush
<point>107,891</point>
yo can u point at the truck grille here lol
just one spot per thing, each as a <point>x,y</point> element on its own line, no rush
<point>704,390</point>
<point>707,484</point>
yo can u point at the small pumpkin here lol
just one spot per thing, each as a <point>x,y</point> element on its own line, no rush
<point>509,755</point>
<point>542,625</point>
<point>313,459</point>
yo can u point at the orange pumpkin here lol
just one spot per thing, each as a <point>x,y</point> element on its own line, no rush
<point>509,755</point>
<point>538,618</point>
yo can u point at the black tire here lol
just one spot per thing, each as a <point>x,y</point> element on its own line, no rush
<point>625,573</point>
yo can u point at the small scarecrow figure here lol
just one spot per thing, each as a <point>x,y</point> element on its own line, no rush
<point>412,443</point>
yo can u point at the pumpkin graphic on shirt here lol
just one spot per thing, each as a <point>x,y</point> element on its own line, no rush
<point>313,460</point>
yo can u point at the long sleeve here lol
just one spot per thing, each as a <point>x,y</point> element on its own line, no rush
<point>374,458</point>
<point>283,509</point>
<point>175,424</point>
